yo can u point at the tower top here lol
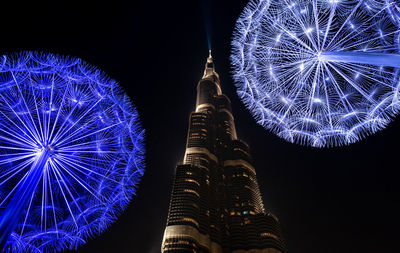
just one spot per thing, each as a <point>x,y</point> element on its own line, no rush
<point>209,69</point>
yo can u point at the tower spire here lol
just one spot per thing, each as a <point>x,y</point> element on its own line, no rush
<point>210,69</point>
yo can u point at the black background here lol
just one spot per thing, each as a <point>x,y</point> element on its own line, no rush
<point>328,200</point>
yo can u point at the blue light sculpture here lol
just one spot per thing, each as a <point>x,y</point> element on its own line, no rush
<point>319,72</point>
<point>71,152</point>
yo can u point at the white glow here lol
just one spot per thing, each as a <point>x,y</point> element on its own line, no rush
<point>278,38</point>
<point>319,56</point>
<point>350,114</point>
<point>284,100</point>
<point>317,100</point>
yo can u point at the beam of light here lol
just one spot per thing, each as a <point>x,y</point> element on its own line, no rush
<point>391,60</point>
<point>71,152</point>
<point>207,18</point>
<point>15,208</point>
<point>318,72</point>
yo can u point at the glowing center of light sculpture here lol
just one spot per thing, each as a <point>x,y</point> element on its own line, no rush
<point>317,72</point>
<point>71,152</point>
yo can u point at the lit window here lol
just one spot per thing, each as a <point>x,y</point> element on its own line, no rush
<point>192,191</point>
<point>192,181</point>
<point>191,220</point>
<point>183,242</point>
<point>266,234</point>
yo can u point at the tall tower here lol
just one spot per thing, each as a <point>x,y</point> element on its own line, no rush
<point>216,205</point>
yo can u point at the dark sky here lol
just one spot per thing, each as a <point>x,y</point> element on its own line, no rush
<point>328,200</point>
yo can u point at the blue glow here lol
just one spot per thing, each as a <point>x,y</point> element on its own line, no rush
<point>71,152</point>
<point>319,72</point>
<point>387,60</point>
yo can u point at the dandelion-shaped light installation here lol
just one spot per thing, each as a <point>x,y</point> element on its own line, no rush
<point>71,152</point>
<point>319,72</point>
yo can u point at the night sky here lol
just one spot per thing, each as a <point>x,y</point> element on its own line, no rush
<point>328,200</point>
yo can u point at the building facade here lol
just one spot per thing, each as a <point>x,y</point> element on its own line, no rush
<point>216,205</point>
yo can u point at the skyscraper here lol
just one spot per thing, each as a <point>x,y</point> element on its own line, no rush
<point>216,205</point>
